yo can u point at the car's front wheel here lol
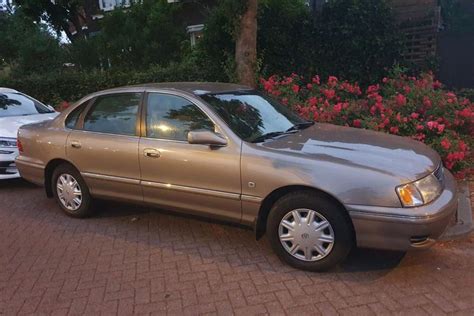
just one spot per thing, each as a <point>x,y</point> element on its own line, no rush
<point>71,191</point>
<point>309,231</point>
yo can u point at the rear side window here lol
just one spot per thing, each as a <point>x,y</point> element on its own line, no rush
<point>73,117</point>
<point>17,104</point>
<point>114,114</point>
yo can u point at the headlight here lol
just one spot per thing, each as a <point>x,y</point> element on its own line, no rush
<point>419,192</point>
<point>7,142</point>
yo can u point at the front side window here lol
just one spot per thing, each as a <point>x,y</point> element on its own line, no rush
<point>172,117</point>
<point>114,114</point>
<point>251,115</point>
<point>17,104</point>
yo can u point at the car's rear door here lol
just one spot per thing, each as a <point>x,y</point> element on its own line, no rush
<point>104,145</point>
<point>191,177</point>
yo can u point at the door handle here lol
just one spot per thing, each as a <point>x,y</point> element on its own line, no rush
<point>151,153</point>
<point>75,144</point>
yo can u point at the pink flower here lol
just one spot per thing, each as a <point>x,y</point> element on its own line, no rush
<point>332,81</point>
<point>441,128</point>
<point>356,123</point>
<point>432,124</point>
<point>445,143</point>
<point>313,101</point>
<point>309,86</point>
<point>394,130</point>
<point>295,88</point>
<point>338,107</point>
<point>329,93</point>
<point>401,99</point>
<point>316,80</point>
<point>414,115</point>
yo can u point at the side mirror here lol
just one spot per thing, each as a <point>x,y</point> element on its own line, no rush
<point>204,137</point>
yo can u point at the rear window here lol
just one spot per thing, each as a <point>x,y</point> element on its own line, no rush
<point>17,104</point>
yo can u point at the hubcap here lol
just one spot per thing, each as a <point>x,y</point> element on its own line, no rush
<point>306,235</point>
<point>69,192</point>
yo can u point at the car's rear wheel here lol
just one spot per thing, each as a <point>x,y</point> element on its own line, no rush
<point>71,191</point>
<point>309,231</point>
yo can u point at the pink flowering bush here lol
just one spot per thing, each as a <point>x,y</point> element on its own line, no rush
<point>407,106</point>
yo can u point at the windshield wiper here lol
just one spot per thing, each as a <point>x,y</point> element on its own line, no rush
<point>266,136</point>
<point>300,126</point>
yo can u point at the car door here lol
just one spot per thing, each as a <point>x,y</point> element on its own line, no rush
<point>183,176</point>
<point>104,146</point>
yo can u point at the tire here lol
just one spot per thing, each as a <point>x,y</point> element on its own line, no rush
<point>74,181</point>
<point>315,251</point>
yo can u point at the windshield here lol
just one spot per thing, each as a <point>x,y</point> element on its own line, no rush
<point>251,115</point>
<point>17,104</point>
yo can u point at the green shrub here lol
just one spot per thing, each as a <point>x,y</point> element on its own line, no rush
<point>52,88</point>
<point>357,40</point>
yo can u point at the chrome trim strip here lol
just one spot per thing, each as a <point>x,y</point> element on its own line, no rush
<point>251,198</point>
<point>374,216</point>
<point>168,186</point>
<point>110,178</point>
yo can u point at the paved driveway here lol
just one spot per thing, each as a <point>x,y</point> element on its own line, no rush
<point>131,259</point>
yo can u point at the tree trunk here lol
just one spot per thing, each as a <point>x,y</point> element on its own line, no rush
<point>246,46</point>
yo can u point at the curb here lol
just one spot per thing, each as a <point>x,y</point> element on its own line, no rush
<point>463,225</point>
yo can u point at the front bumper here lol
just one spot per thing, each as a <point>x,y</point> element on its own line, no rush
<point>8,168</point>
<point>405,228</point>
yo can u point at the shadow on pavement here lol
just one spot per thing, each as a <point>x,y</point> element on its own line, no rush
<point>16,184</point>
<point>359,260</point>
<point>364,260</point>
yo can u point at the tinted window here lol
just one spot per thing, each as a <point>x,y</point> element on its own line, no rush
<point>251,115</point>
<point>172,117</point>
<point>17,104</point>
<point>72,118</point>
<point>114,114</point>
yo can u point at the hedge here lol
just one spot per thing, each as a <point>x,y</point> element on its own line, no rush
<point>53,88</point>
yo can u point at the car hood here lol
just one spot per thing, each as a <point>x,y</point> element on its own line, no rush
<point>9,125</point>
<point>384,153</point>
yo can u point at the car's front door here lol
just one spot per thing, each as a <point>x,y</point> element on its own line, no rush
<point>179,175</point>
<point>104,146</point>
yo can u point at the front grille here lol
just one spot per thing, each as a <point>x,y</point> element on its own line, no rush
<point>7,167</point>
<point>439,173</point>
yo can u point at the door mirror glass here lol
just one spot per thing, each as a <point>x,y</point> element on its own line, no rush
<point>205,137</point>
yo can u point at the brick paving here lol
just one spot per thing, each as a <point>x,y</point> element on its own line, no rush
<point>135,260</point>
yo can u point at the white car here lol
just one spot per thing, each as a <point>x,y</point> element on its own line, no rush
<point>17,109</point>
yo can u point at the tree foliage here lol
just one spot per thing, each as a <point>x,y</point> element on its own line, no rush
<point>27,46</point>
<point>58,13</point>
<point>356,39</point>
<point>146,34</point>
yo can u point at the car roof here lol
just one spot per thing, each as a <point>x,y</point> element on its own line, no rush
<point>7,90</point>
<point>196,88</point>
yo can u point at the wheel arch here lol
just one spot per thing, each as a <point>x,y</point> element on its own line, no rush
<point>48,173</point>
<point>270,199</point>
